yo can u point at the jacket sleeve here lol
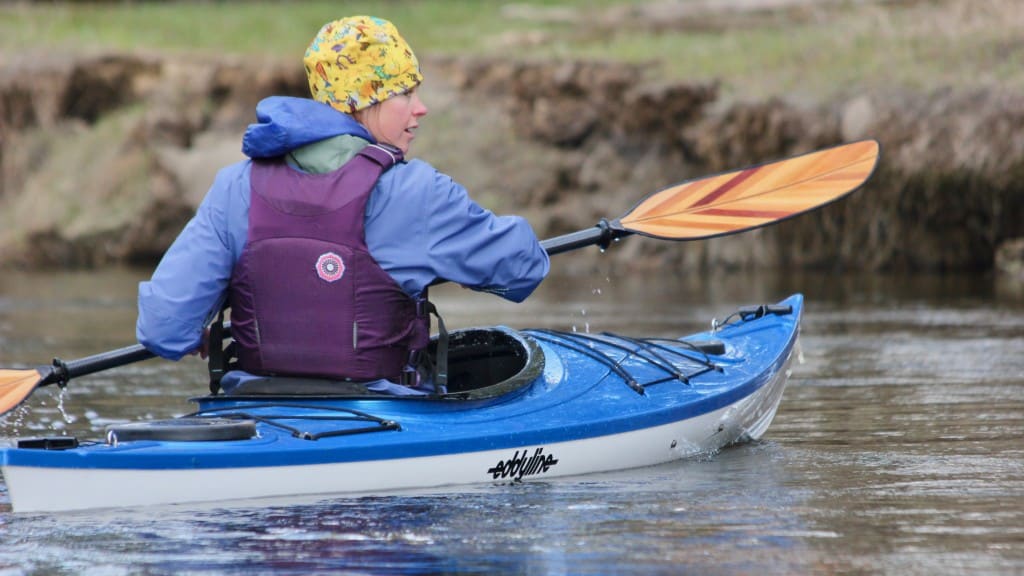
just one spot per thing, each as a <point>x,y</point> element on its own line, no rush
<point>189,285</point>
<point>425,226</point>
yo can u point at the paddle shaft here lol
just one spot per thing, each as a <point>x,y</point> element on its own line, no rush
<point>602,235</point>
<point>60,372</point>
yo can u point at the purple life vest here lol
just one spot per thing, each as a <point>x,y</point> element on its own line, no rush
<point>306,296</point>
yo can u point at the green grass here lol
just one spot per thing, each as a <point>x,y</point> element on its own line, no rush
<point>258,28</point>
<point>820,50</point>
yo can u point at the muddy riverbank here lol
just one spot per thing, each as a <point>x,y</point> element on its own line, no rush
<point>104,157</point>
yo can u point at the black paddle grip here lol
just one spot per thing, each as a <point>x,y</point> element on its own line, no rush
<point>60,372</point>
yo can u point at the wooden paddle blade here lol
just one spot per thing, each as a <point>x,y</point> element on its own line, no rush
<point>753,197</point>
<point>16,386</point>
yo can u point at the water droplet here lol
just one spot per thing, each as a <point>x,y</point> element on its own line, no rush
<point>60,406</point>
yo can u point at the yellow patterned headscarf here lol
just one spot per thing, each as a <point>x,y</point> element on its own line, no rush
<point>356,62</point>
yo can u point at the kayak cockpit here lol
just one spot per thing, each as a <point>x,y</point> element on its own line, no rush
<point>489,362</point>
<point>482,363</point>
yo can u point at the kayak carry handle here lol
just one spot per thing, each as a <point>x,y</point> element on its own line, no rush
<point>755,312</point>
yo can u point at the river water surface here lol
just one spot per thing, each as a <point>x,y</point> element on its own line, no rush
<point>898,448</point>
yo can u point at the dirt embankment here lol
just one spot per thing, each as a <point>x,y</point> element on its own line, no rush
<point>104,159</point>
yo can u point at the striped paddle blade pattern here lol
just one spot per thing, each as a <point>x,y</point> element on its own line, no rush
<point>753,197</point>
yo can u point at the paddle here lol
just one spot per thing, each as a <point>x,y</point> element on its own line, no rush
<point>738,201</point>
<point>718,205</point>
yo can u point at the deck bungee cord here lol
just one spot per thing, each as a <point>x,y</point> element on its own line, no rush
<point>588,344</point>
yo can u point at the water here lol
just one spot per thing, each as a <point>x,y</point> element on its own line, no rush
<point>897,449</point>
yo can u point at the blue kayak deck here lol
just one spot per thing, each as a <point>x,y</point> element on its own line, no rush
<point>591,386</point>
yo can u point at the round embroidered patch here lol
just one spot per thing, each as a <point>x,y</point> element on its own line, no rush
<point>330,267</point>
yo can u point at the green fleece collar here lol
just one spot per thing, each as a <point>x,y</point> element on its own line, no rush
<point>326,155</point>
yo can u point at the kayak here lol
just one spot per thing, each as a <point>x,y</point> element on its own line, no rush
<point>520,406</point>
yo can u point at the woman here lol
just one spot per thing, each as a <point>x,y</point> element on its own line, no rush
<point>324,241</point>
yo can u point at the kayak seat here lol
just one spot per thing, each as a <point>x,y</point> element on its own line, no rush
<point>482,363</point>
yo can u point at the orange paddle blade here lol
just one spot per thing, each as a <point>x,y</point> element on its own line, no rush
<point>753,197</point>
<point>16,386</point>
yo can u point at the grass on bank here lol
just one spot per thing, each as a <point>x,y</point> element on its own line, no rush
<point>818,48</point>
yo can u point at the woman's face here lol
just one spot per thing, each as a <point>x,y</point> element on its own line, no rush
<point>394,121</point>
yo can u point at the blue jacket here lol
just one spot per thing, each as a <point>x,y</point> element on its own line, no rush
<point>421,226</point>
